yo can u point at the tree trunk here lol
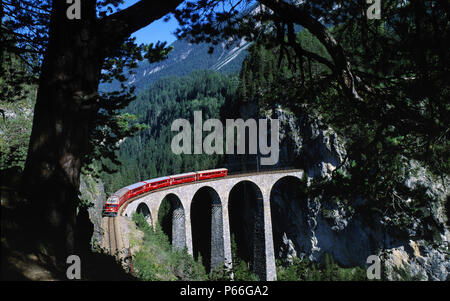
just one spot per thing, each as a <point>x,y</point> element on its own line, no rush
<point>63,116</point>
<point>66,110</point>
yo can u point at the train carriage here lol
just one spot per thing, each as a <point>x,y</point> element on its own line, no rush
<point>183,178</point>
<point>153,184</point>
<point>211,173</point>
<point>136,189</point>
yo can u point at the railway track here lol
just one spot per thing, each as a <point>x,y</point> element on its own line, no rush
<point>112,236</point>
<point>115,245</point>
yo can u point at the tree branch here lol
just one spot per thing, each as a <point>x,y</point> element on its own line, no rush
<point>300,51</point>
<point>297,15</point>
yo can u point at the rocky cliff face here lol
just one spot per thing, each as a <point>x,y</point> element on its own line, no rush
<point>93,193</point>
<point>314,227</point>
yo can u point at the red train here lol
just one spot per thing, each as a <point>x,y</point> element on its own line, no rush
<point>119,197</point>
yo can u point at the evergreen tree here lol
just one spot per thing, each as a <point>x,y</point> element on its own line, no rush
<point>70,117</point>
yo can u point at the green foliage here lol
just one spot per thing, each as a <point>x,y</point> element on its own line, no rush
<point>268,80</point>
<point>221,273</point>
<point>156,260</point>
<point>405,274</point>
<point>15,130</point>
<point>306,270</point>
<point>158,52</point>
<point>17,98</point>
<point>241,269</point>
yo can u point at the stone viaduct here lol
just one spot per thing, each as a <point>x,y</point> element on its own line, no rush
<point>219,191</point>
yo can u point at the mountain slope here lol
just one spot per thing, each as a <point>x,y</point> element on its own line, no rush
<point>185,58</point>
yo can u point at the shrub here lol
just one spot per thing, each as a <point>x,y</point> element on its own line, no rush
<point>157,260</point>
<point>307,270</point>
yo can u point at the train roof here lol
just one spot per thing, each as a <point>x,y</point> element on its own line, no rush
<point>183,174</point>
<point>156,179</point>
<point>135,185</point>
<point>212,170</point>
<point>120,192</point>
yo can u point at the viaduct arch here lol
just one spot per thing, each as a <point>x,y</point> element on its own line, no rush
<point>250,191</point>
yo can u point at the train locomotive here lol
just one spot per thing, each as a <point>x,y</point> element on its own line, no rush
<point>119,197</point>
